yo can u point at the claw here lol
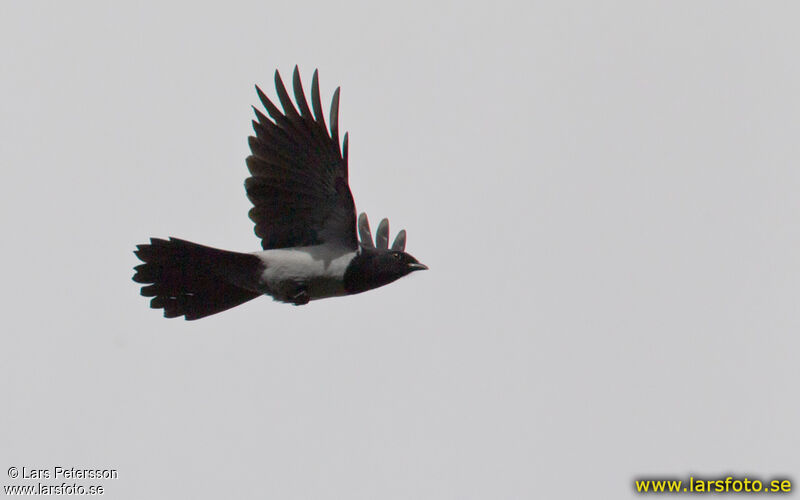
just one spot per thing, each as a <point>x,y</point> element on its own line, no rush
<point>301,297</point>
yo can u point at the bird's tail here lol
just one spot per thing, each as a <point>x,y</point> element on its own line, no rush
<point>195,281</point>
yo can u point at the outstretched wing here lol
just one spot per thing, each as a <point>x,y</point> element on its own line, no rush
<point>298,184</point>
<point>381,237</point>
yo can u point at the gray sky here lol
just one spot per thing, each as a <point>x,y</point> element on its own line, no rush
<point>606,194</point>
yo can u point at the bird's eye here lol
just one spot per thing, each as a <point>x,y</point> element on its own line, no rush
<point>397,256</point>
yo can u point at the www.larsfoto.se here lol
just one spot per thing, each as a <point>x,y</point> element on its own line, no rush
<point>729,484</point>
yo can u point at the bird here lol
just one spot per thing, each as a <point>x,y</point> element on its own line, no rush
<point>312,245</point>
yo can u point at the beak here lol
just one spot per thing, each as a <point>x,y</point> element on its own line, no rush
<point>416,266</point>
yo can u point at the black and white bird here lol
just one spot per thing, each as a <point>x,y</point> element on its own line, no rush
<point>304,214</point>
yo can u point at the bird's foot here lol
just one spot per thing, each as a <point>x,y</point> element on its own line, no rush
<point>300,297</point>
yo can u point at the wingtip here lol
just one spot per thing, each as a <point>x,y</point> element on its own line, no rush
<point>300,95</point>
<point>296,75</point>
<point>382,234</point>
<point>364,231</point>
<point>400,241</point>
<point>279,83</point>
<point>261,95</point>
<point>335,115</point>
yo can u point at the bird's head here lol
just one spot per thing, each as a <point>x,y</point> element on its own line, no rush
<point>376,263</point>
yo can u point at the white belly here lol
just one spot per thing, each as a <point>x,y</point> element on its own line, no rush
<point>319,269</point>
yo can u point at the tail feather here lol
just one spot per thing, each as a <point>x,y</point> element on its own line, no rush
<point>195,281</point>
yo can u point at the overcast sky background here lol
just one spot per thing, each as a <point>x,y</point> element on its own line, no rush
<point>607,194</point>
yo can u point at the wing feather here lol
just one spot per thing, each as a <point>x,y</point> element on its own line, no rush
<point>364,232</point>
<point>315,101</point>
<point>335,117</point>
<point>382,235</point>
<point>300,96</point>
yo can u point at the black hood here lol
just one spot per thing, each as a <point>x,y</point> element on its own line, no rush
<point>373,268</point>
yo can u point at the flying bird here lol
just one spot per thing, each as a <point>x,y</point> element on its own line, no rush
<point>303,212</point>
